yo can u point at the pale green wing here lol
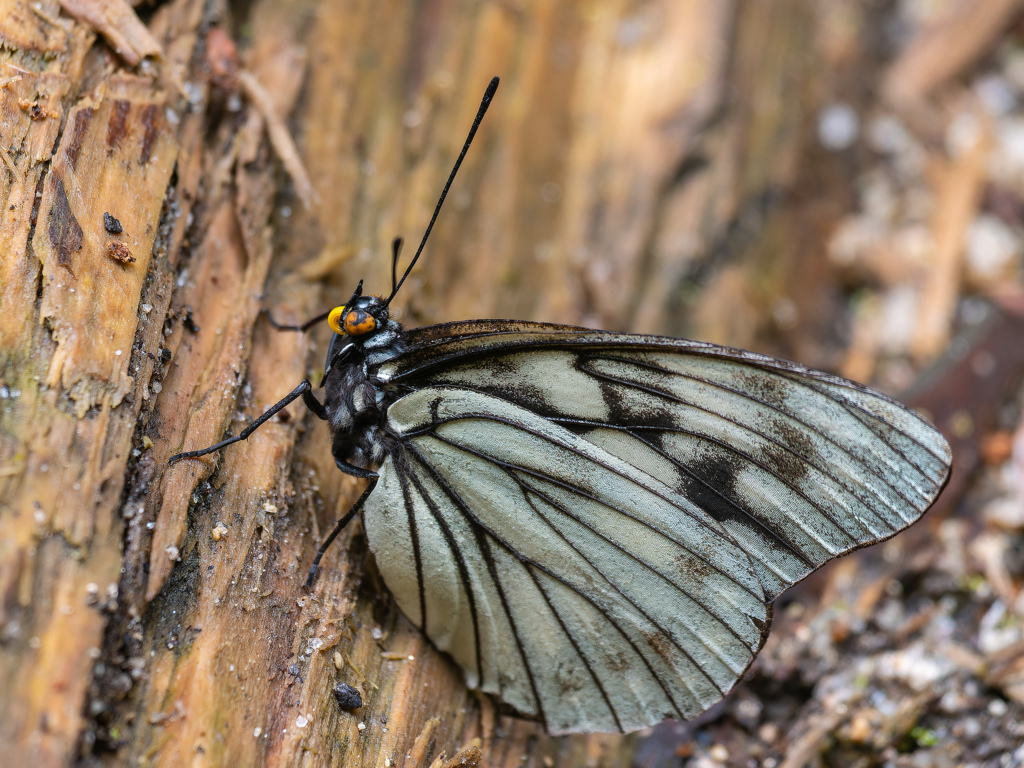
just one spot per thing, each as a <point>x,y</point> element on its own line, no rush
<point>572,585</point>
<point>797,465</point>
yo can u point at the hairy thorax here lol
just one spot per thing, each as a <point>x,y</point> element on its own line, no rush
<point>357,405</point>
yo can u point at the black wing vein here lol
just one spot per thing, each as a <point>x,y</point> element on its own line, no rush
<point>625,636</point>
<point>554,481</point>
<point>460,562</point>
<point>508,468</point>
<point>654,391</point>
<point>569,636</point>
<point>866,418</point>
<point>414,535</point>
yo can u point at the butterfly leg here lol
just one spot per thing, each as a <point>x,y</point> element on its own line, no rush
<point>338,528</point>
<point>299,328</point>
<point>315,406</point>
<point>300,391</point>
<point>352,469</point>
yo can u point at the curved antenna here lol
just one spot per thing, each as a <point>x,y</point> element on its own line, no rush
<point>484,104</point>
<point>396,250</point>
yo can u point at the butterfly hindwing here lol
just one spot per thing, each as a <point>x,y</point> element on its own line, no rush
<point>598,521</point>
<point>566,581</point>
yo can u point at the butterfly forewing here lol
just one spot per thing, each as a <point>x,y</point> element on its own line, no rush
<point>594,524</point>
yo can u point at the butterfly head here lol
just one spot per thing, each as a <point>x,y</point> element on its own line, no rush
<point>360,317</point>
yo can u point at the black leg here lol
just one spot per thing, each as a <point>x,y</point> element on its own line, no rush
<point>338,529</point>
<point>352,469</point>
<point>296,393</point>
<point>314,405</point>
<point>300,328</point>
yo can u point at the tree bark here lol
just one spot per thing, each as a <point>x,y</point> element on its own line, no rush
<point>155,615</point>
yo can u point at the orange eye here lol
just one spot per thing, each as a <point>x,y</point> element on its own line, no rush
<point>358,323</point>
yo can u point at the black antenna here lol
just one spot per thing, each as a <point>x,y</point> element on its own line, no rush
<point>355,294</point>
<point>486,102</point>
<point>396,250</point>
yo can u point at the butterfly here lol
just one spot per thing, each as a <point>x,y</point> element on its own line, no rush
<point>594,525</point>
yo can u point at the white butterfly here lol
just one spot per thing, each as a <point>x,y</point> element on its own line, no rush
<point>594,525</point>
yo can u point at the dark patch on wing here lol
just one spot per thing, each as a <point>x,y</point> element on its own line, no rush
<point>435,405</point>
<point>568,681</point>
<point>764,387</point>
<point>661,644</point>
<point>712,483</point>
<point>692,567</point>
<point>581,428</point>
<point>526,396</point>
<point>794,438</point>
<point>653,411</point>
<point>618,663</point>
<point>117,126</point>
<point>65,232</point>
<point>503,378</point>
<point>148,118</point>
<point>501,366</point>
<point>82,119</point>
<point>764,626</point>
<point>786,457</point>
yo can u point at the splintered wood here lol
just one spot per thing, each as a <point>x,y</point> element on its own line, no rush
<point>117,22</point>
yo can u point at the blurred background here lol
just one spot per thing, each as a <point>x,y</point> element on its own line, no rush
<point>835,182</point>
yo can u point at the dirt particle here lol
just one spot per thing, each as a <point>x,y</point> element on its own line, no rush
<point>120,252</point>
<point>112,225</point>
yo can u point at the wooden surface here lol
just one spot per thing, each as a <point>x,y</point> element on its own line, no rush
<point>629,175</point>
